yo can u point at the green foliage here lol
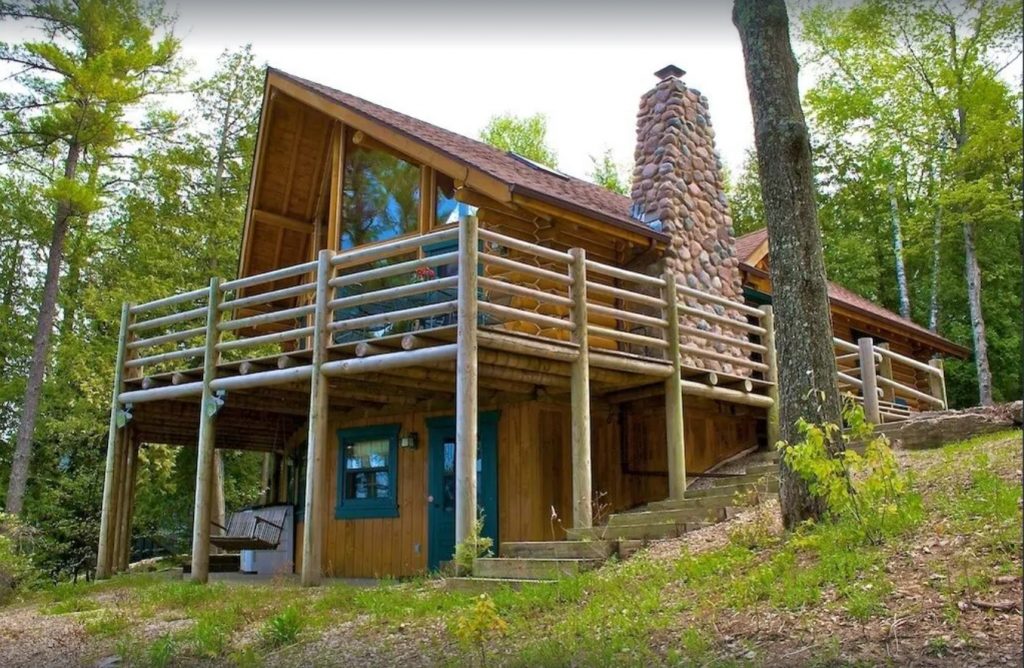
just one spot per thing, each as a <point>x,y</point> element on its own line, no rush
<point>283,628</point>
<point>608,174</point>
<point>475,545</point>
<point>161,651</point>
<point>478,626</point>
<point>17,572</point>
<point>525,135</point>
<point>868,488</point>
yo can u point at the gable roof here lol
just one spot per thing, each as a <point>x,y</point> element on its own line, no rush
<point>747,244</point>
<point>559,189</point>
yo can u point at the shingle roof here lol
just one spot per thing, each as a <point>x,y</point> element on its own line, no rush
<point>596,201</point>
<point>748,243</point>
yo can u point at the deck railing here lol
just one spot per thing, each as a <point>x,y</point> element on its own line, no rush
<point>891,386</point>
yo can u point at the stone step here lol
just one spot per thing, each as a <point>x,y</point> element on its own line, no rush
<point>476,585</point>
<point>531,569</point>
<point>636,532</point>
<point>677,515</point>
<point>559,549</point>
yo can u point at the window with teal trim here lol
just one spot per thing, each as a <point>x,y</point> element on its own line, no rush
<point>367,472</point>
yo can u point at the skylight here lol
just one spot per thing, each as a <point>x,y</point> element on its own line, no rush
<point>536,165</point>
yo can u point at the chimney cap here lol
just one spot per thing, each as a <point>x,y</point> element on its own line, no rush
<point>670,71</point>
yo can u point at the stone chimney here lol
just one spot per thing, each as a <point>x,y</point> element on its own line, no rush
<point>678,189</point>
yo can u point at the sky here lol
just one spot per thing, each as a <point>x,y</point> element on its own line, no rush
<point>455,64</point>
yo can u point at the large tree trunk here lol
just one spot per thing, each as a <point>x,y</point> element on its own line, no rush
<point>807,365</point>
<point>41,344</point>
<point>977,319</point>
<point>897,249</point>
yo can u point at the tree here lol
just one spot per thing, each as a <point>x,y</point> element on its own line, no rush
<point>807,365</point>
<point>77,90</point>
<point>606,173</point>
<point>524,135</point>
<point>745,197</point>
<point>918,81</point>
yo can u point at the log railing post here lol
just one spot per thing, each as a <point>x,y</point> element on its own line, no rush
<point>772,374</point>
<point>466,382</point>
<point>104,551</point>
<point>937,381</point>
<point>206,442</point>
<point>124,522</point>
<point>885,371</point>
<point>318,435</point>
<point>869,382</point>
<point>582,484</point>
<point>674,430</point>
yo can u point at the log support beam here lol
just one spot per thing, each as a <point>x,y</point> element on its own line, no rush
<point>868,379</point>
<point>582,484</point>
<point>466,399</point>
<point>937,381</point>
<point>206,443</point>
<point>674,432</point>
<point>316,440</point>
<point>771,359</point>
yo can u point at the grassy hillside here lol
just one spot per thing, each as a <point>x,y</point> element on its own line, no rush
<point>944,585</point>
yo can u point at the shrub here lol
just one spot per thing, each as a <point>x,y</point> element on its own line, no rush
<point>867,488</point>
<point>475,545</point>
<point>17,572</point>
<point>478,626</point>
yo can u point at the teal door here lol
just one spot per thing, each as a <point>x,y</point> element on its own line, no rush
<point>441,484</point>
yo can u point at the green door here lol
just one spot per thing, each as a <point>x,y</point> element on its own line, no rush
<point>441,484</point>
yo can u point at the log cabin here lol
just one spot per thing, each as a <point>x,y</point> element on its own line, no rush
<point>426,331</point>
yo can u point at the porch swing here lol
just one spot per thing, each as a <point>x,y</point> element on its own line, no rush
<point>252,529</point>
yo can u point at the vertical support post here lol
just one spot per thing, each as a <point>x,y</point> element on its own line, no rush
<point>316,438</point>
<point>132,482</point>
<point>674,430</point>
<point>268,461</point>
<point>885,371</point>
<point>217,509</point>
<point>582,484</point>
<point>466,382</point>
<point>124,522</point>
<point>937,381</point>
<point>771,358</point>
<point>206,444</point>
<point>867,376</point>
<point>117,516</point>
<point>104,550</point>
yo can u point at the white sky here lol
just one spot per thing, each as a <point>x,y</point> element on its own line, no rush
<point>584,65</point>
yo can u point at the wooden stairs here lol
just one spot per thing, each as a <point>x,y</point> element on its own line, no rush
<point>624,533</point>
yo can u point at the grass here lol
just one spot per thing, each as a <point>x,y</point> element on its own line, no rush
<point>718,607</point>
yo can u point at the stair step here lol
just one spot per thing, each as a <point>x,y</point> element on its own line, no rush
<point>627,548</point>
<point>559,549</point>
<point>637,532</point>
<point>769,467</point>
<point>677,515</point>
<point>697,503</point>
<point>769,485</point>
<point>738,479</point>
<point>531,569</point>
<point>476,585</point>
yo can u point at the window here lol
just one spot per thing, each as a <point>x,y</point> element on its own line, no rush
<point>381,199</point>
<point>449,210</point>
<point>367,472</point>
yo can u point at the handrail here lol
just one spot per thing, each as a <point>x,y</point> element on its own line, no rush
<point>920,366</point>
<point>624,274</point>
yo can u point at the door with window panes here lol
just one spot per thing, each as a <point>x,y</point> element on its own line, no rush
<point>441,484</point>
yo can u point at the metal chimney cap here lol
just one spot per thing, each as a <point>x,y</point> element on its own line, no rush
<point>670,71</point>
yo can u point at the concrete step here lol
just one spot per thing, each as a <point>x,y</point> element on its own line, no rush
<point>531,569</point>
<point>559,549</point>
<point>636,532</point>
<point>476,585</point>
<point>677,515</point>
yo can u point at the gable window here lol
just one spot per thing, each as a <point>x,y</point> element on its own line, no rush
<point>381,196</point>
<point>367,472</point>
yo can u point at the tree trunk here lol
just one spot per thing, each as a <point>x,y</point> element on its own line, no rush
<point>897,248</point>
<point>977,319</point>
<point>40,344</point>
<point>933,310</point>
<point>807,365</point>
